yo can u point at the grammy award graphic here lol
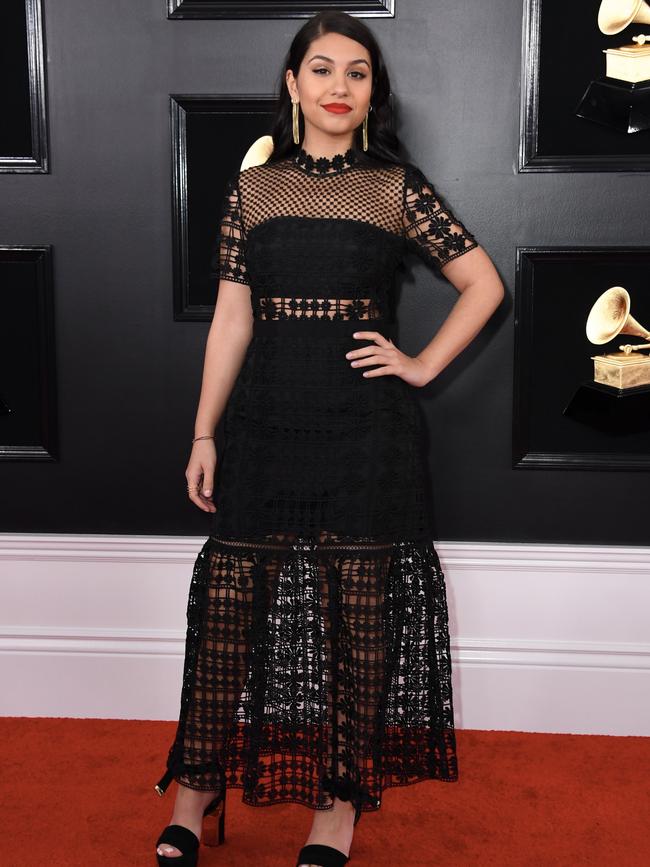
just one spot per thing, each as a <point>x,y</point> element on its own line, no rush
<point>620,99</point>
<point>609,317</point>
<point>618,399</point>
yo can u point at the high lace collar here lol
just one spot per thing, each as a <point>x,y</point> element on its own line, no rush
<point>313,165</point>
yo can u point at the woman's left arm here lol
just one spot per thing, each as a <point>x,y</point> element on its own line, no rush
<point>444,243</point>
<point>481,292</point>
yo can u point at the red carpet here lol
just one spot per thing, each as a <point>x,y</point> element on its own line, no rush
<point>79,793</point>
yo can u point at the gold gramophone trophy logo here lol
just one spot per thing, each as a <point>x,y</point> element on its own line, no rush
<point>609,317</point>
<point>620,99</point>
<point>617,400</point>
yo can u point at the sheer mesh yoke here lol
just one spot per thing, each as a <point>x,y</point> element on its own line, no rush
<point>317,659</point>
<point>281,215</point>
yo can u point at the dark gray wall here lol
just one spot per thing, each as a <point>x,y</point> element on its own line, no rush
<point>129,377</point>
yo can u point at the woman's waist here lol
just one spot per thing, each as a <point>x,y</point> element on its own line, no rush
<point>317,327</point>
<point>329,306</point>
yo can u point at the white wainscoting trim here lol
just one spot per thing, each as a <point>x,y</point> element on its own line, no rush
<point>547,638</point>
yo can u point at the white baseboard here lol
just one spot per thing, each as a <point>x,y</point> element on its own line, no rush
<point>545,638</point>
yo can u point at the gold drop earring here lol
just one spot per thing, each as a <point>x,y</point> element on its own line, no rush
<point>296,129</point>
<point>365,129</point>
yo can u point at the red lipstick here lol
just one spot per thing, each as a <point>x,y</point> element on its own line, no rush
<point>337,107</point>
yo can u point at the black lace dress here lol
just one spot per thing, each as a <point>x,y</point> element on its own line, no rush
<point>317,652</point>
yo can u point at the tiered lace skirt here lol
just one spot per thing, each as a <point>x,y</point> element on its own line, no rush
<point>317,658</point>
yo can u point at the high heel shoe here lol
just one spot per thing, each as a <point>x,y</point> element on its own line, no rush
<point>325,856</point>
<point>213,833</point>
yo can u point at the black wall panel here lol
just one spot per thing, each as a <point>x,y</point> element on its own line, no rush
<point>128,373</point>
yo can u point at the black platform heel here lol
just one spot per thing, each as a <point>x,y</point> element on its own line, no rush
<point>213,833</point>
<point>325,856</point>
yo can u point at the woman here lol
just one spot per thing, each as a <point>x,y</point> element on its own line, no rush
<point>317,667</point>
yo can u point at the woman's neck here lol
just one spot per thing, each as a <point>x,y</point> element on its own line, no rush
<point>326,146</point>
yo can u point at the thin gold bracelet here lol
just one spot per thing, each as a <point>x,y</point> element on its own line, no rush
<point>206,437</point>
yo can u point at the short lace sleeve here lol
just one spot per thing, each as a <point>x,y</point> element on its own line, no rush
<point>229,251</point>
<point>430,228</point>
